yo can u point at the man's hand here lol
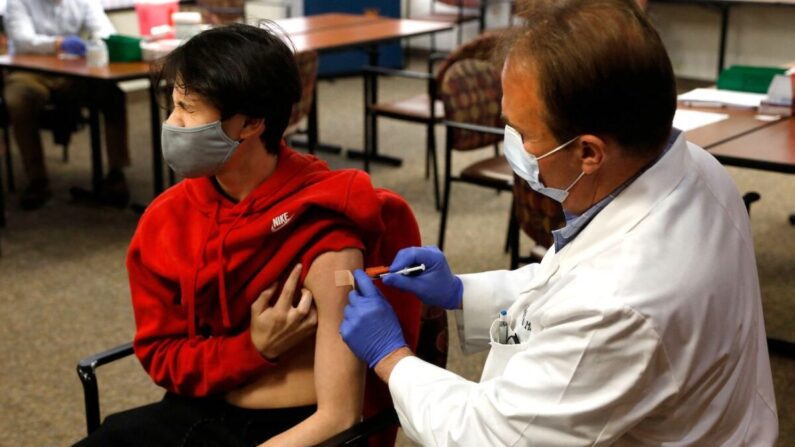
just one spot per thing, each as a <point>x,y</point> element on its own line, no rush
<point>73,45</point>
<point>277,328</point>
<point>370,327</point>
<point>436,286</point>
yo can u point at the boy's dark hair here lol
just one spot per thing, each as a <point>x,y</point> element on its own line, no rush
<point>239,69</point>
<point>601,68</point>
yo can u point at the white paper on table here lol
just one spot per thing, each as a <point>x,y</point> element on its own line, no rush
<point>685,120</point>
<point>729,98</point>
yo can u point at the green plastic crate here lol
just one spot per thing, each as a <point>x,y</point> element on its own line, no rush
<point>745,78</point>
<point>123,48</point>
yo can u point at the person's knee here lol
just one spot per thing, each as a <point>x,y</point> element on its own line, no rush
<point>23,99</point>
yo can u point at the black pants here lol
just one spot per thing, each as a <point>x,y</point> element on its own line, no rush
<point>178,421</point>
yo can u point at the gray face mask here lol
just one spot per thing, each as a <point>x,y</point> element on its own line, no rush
<point>196,151</point>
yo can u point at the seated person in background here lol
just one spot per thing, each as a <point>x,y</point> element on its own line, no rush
<point>51,27</point>
<point>211,254</point>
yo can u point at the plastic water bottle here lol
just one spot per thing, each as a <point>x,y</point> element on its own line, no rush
<point>97,53</point>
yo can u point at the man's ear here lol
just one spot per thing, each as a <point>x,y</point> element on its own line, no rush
<point>592,153</point>
<point>252,127</point>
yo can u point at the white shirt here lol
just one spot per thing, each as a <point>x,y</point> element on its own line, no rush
<point>33,25</point>
<point>645,330</point>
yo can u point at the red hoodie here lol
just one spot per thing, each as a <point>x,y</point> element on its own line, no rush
<point>198,260</point>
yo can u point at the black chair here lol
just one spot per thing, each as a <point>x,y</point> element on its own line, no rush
<point>431,347</point>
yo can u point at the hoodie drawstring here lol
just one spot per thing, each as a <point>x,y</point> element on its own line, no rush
<point>222,268</point>
<point>190,290</point>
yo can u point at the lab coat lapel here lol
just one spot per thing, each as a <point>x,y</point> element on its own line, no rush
<point>613,222</point>
<point>630,207</point>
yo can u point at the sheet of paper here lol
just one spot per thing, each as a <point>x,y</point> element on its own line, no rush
<point>685,120</point>
<point>715,97</point>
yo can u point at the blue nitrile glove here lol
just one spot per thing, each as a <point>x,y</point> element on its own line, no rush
<point>436,286</point>
<point>370,326</point>
<point>73,45</point>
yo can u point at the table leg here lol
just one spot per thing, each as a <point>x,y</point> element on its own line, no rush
<point>96,144</point>
<point>370,152</point>
<point>157,157</point>
<point>2,201</point>
<point>482,18</point>
<point>312,142</point>
<point>724,27</point>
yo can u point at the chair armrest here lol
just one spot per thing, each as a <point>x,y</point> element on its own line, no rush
<point>91,362</point>
<point>86,371</point>
<point>363,430</point>
<point>395,72</point>
<point>475,127</point>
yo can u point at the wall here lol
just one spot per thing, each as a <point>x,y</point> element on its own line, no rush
<point>758,35</point>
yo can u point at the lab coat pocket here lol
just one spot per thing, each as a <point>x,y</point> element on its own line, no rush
<point>500,353</point>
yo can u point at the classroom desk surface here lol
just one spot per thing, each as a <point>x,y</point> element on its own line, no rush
<point>771,148</point>
<point>116,71</point>
<point>363,33</point>
<point>321,22</point>
<point>739,123</point>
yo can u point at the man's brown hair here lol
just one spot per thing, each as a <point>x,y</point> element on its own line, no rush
<point>602,69</point>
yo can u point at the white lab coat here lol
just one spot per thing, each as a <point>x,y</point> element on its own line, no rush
<point>645,330</point>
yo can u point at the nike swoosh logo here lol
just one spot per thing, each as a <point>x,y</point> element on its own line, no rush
<point>280,222</point>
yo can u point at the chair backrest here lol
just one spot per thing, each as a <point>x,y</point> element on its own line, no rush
<point>307,69</point>
<point>481,48</point>
<point>536,214</point>
<point>471,93</point>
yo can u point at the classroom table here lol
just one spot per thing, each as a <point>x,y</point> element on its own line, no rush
<point>338,31</point>
<point>724,7</point>
<point>771,148</point>
<point>740,122</point>
<point>114,72</point>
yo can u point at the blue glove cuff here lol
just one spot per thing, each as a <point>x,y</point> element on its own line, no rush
<point>390,348</point>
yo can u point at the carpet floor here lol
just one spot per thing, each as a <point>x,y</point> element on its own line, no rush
<point>64,293</point>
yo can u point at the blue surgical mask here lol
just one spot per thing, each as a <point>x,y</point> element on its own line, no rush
<point>525,165</point>
<point>196,151</point>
